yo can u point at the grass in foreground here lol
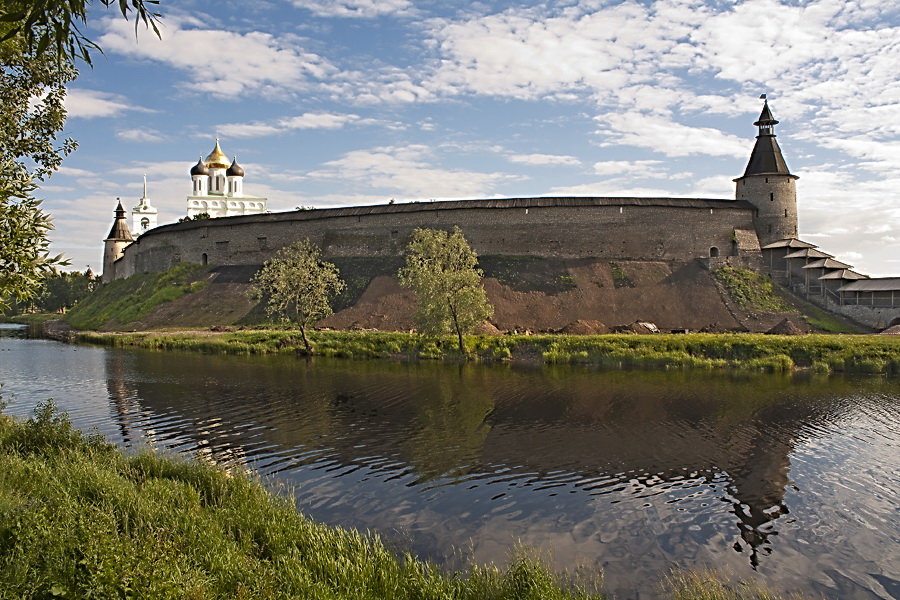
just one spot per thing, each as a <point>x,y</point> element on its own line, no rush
<point>80,520</point>
<point>774,353</point>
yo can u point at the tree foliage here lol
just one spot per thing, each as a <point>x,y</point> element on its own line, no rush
<point>24,260</point>
<point>56,26</point>
<point>442,269</point>
<point>297,286</point>
<point>40,40</point>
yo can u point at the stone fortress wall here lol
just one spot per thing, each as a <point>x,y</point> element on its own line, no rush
<point>661,229</point>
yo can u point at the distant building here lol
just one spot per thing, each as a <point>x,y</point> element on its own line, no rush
<point>218,188</point>
<point>143,216</point>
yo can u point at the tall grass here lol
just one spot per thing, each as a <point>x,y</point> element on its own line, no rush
<point>78,519</point>
<point>820,353</point>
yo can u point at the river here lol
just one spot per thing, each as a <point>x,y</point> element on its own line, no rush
<point>789,480</point>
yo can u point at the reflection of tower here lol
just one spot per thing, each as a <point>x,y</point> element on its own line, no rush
<point>120,395</point>
<point>143,216</point>
<point>114,244</point>
<point>758,487</point>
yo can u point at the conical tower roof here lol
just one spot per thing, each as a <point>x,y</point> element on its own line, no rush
<point>766,158</point>
<point>120,231</point>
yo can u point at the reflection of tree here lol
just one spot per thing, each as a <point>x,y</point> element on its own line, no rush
<point>445,422</point>
<point>450,425</point>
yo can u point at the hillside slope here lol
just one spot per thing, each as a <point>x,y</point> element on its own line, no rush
<point>527,293</point>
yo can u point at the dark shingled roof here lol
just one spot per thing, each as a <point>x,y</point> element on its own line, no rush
<point>788,243</point>
<point>766,158</point>
<point>120,231</point>
<point>826,263</point>
<point>809,253</point>
<point>881,284</point>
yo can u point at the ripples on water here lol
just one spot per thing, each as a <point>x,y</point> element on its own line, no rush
<point>791,480</point>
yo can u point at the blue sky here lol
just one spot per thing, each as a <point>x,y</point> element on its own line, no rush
<point>342,102</point>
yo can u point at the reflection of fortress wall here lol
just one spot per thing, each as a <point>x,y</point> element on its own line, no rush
<point>444,422</point>
<point>604,228</point>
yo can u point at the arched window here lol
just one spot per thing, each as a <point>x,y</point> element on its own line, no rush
<point>713,252</point>
<point>204,259</point>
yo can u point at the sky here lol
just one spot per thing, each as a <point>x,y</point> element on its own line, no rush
<point>346,102</point>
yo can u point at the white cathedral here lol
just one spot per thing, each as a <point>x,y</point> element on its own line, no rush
<point>219,188</point>
<point>218,191</point>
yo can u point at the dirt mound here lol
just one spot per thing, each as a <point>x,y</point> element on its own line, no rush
<point>639,327</point>
<point>487,328</point>
<point>585,327</point>
<point>787,327</point>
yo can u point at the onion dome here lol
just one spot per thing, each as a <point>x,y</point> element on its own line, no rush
<point>199,168</point>
<point>235,170</point>
<point>217,158</point>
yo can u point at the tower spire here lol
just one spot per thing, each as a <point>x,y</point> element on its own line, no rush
<point>766,157</point>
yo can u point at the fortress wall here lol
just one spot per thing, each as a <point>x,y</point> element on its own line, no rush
<point>633,231</point>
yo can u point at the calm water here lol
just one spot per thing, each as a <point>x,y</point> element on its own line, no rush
<point>792,481</point>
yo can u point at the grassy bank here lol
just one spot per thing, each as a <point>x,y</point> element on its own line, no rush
<point>822,353</point>
<point>30,318</point>
<point>78,520</point>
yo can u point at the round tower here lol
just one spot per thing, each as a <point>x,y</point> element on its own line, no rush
<point>114,245</point>
<point>769,186</point>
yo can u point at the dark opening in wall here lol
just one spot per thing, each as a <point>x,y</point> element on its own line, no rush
<point>713,252</point>
<point>204,259</point>
<point>263,243</point>
<point>771,196</point>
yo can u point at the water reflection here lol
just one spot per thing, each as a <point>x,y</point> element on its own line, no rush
<point>789,480</point>
<point>408,447</point>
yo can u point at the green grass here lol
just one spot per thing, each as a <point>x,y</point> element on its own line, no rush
<point>709,585</point>
<point>750,290</point>
<point>31,318</point>
<point>755,352</point>
<point>125,301</point>
<point>78,519</point>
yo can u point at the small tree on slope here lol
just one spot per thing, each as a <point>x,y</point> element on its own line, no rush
<point>297,286</point>
<point>442,269</point>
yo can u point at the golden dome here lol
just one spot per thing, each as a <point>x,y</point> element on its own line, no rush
<point>217,158</point>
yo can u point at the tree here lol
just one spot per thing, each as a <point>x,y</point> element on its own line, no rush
<point>442,269</point>
<point>40,40</point>
<point>297,285</point>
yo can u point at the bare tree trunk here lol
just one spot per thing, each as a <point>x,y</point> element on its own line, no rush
<point>459,337</point>
<point>305,341</point>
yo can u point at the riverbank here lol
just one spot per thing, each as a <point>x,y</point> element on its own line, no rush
<point>80,519</point>
<point>775,353</point>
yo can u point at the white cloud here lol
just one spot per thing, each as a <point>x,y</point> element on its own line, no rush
<point>90,104</point>
<point>544,159</point>
<point>405,172</point>
<point>663,135</point>
<point>625,167</point>
<point>320,120</point>
<point>222,63</point>
<point>141,134</point>
<point>355,8</point>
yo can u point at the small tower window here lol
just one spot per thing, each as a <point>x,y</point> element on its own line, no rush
<point>772,196</point>
<point>785,212</point>
<point>713,252</point>
<point>204,259</point>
